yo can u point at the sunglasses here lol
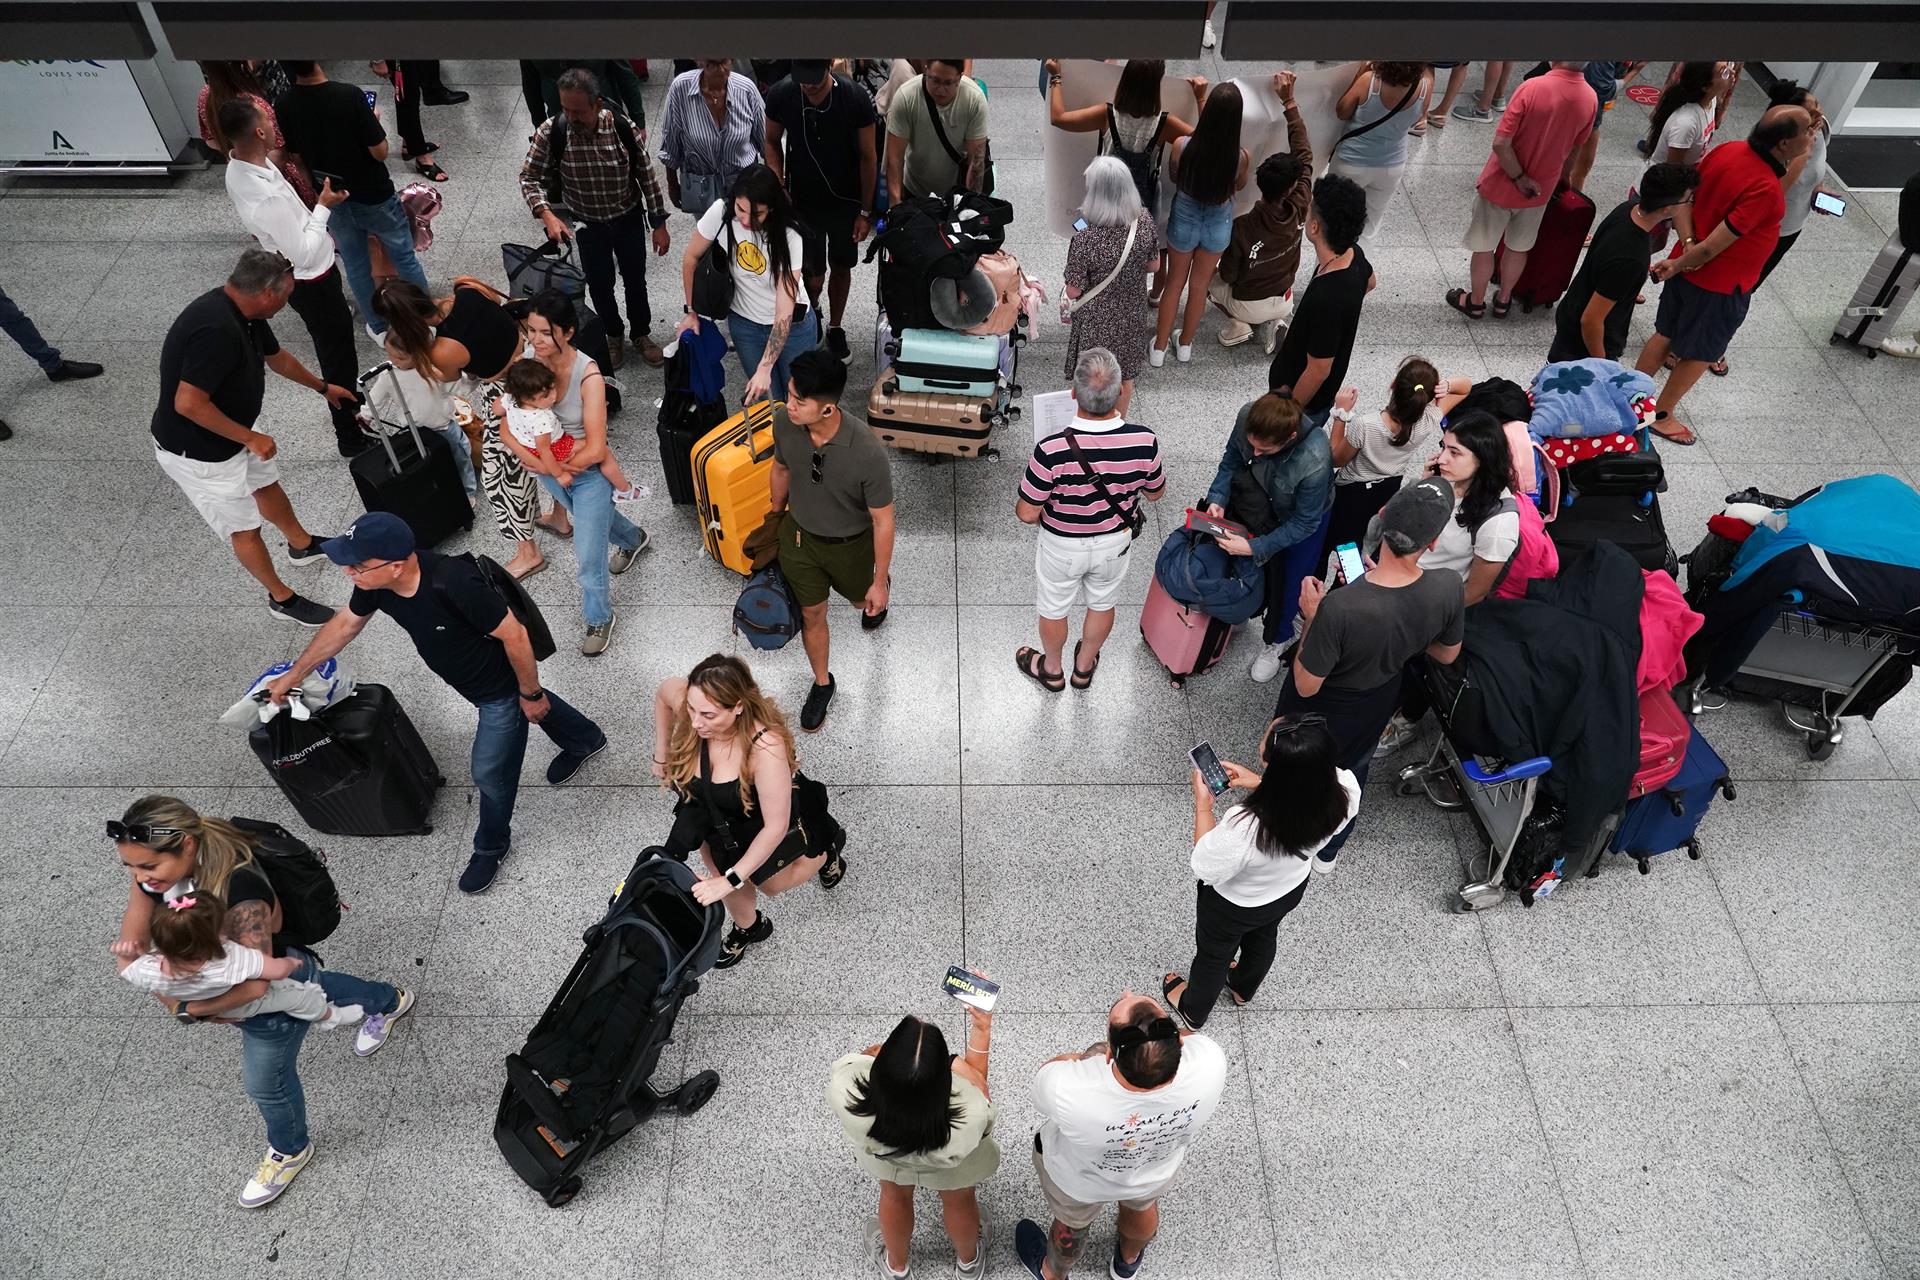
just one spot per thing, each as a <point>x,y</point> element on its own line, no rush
<point>139,832</point>
<point>819,461</point>
<point>1284,726</point>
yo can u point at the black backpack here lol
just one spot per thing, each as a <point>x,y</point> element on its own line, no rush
<point>519,603</point>
<point>915,247</point>
<point>1505,399</point>
<point>557,147</point>
<point>310,903</point>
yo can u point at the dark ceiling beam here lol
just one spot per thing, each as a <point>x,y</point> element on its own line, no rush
<point>61,31</point>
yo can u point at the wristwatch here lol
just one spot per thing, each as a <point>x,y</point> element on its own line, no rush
<point>733,878</point>
<point>535,696</point>
<point>181,1015</point>
<point>866,213</point>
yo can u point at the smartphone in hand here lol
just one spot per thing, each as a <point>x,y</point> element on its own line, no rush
<point>970,989</point>
<point>1212,772</point>
<point>1352,568</point>
<point>1828,203</point>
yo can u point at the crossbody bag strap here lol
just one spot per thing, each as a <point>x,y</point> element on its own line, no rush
<point>940,130</point>
<point>1398,107</point>
<point>1131,520</point>
<point>1074,304</point>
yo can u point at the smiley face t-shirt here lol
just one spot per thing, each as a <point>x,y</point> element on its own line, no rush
<point>753,281</point>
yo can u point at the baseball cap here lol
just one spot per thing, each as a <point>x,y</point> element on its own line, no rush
<point>377,535</point>
<point>1415,515</point>
<point>809,71</point>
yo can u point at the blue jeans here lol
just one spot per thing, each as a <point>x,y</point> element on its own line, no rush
<point>462,455</point>
<point>750,341</point>
<point>595,525</point>
<point>351,224</point>
<point>21,329</point>
<point>1192,225</point>
<point>270,1050</point>
<point>499,747</point>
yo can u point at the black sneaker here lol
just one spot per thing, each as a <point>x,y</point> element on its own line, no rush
<point>567,763</point>
<point>481,869</point>
<point>834,870</point>
<point>872,621</point>
<point>297,608</point>
<point>734,949</point>
<point>69,370</point>
<point>837,343</point>
<point>814,713</point>
<point>445,98</point>
<point>6,432</point>
<point>309,554</point>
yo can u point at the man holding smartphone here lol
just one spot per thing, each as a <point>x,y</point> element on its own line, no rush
<point>1363,641</point>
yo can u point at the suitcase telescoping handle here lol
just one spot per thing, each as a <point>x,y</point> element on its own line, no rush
<point>406,411</point>
<point>759,419</point>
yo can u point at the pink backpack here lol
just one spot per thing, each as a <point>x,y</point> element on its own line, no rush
<point>1003,272</point>
<point>1535,557</point>
<point>421,200</point>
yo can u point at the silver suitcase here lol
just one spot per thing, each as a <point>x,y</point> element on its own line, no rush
<point>1875,311</point>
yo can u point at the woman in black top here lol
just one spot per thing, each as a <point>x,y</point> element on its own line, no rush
<point>471,336</point>
<point>725,747</point>
<point>172,850</point>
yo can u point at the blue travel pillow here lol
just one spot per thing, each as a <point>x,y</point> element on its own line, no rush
<point>1576,399</point>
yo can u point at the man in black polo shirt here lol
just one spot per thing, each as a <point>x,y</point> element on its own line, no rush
<point>1593,318</point>
<point>212,380</point>
<point>1312,362</point>
<point>467,635</point>
<point>830,165</point>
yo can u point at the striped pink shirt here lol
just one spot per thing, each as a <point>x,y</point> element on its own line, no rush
<point>1127,457</point>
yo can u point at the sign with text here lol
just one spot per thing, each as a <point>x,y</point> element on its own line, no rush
<point>74,110</point>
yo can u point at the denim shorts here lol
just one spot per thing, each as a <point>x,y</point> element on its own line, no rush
<point>1192,225</point>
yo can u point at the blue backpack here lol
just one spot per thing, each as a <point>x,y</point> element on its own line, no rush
<point>1194,570</point>
<point>766,613</point>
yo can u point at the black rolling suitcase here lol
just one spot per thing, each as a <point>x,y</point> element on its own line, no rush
<point>1635,528</point>
<point>357,768</point>
<point>412,474</point>
<point>684,419</point>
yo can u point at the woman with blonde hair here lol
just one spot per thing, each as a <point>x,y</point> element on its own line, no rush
<point>725,749</point>
<point>170,850</point>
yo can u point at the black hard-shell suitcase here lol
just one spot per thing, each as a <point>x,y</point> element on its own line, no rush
<point>683,421</point>
<point>358,768</point>
<point>1618,475</point>
<point>1637,530</point>
<point>413,475</point>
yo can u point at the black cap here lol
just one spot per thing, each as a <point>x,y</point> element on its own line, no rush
<point>810,72</point>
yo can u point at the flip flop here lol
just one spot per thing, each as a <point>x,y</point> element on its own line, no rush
<point>1685,439</point>
<point>522,577</point>
<point>1437,119</point>
<point>1719,368</point>
<point>1032,664</point>
<point>1462,302</point>
<point>541,522</point>
<point>1083,679</point>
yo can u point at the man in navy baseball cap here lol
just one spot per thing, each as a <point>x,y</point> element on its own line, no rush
<point>457,611</point>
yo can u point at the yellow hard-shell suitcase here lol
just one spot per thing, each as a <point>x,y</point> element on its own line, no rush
<point>732,470</point>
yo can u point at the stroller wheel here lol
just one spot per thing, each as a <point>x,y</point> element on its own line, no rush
<point>563,1193</point>
<point>694,1094</point>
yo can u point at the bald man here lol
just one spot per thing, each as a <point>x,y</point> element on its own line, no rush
<point>1710,280</point>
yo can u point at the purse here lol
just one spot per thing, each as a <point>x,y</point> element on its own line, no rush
<point>1074,304</point>
<point>1135,519</point>
<point>550,265</point>
<point>713,279</point>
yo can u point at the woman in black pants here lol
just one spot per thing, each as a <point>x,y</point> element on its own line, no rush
<point>1253,866</point>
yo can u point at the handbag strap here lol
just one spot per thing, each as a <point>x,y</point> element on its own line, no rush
<point>1129,519</point>
<point>1398,107</point>
<point>1074,304</point>
<point>940,131</point>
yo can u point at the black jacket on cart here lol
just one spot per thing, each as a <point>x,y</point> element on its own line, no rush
<point>1557,674</point>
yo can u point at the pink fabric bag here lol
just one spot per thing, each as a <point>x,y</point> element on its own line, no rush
<point>421,200</point>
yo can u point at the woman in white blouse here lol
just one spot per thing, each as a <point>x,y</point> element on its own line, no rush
<point>1253,864</point>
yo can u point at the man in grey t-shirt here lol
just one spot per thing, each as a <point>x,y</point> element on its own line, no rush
<point>832,484</point>
<point>1360,638</point>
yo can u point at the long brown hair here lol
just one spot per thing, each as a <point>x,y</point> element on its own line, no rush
<point>726,682</point>
<point>410,313</point>
<point>219,847</point>
<point>225,82</point>
<point>1412,391</point>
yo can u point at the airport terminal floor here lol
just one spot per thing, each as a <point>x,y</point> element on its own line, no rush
<point>1707,1071</point>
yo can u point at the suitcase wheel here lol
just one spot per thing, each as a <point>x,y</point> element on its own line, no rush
<point>563,1193</point>
<point>1640,860</point>
<point>1014,413</point>
<point>891,386</point>
<point>1015,391</point>
<point>1820,745</point>
<point>990,454</point>
<point>1693,848</point>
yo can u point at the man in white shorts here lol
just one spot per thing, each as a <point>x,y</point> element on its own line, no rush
<point>1083,488</point>
<point>212,381</point>
<point>1115,1126</point>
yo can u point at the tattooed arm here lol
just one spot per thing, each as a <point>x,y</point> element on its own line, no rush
<point>251,925</point>
<point>760,384</point>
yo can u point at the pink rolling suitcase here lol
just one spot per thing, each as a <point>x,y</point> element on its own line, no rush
<point>1663,742</point>
<point>1185,640</point>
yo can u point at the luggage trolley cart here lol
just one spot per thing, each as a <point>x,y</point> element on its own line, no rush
<point>1820,664</point>
<point>1500,797</point>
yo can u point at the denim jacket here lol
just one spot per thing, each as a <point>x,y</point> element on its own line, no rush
<point>1300,485</point>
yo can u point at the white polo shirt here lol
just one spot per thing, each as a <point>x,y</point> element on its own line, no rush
<point>279,220</point>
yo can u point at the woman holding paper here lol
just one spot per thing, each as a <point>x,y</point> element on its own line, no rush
<point>1209,166</point>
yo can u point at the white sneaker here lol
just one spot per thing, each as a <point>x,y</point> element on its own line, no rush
<point>1324,866</point>
<point>1156,356</point>
<point>1235,334</point>
<point>276,1173</point>
<point>1266,663</point>
<point>1183,352</point>
<point>1500,103</point>
<point>1907,348</point>
<point>1273,336</point>
<point>978,1267</point>
<point>342,1015</point>
<point>1398,735</point>
<point>876,1251</point>
<point>1207,38</point>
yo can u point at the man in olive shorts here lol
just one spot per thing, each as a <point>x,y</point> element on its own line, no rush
<point>835,495</point>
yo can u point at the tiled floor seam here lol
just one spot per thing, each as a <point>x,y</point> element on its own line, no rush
<point>1546,1145</point>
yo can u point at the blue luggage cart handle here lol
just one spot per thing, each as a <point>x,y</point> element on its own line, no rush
<point>1512,773</point>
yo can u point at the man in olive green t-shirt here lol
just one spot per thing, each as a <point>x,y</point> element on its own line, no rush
<point>917,162</point>
<point>834,492</point>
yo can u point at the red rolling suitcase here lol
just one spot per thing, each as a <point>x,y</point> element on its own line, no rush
<point>1555,255</point>
<point>1185,640</point>
<point>1663,742</point>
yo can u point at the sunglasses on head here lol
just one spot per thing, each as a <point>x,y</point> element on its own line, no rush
<point>139,832</point>
<point>1294,724</point>
<point>819,461</point>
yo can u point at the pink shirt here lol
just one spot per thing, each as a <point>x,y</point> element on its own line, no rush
<point>1548,117</point>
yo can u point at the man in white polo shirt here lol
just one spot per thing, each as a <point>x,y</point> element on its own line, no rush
<point>281,222</point>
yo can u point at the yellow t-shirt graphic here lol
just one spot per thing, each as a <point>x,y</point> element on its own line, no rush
<point>749,258</point>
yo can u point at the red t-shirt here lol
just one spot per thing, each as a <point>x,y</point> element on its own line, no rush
<point>1548,117</point>
<point>1740,187</point>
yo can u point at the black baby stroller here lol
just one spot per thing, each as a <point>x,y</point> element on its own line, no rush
<point>582,1081</point>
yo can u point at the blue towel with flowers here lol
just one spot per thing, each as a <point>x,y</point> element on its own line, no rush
<point>1575,399</point>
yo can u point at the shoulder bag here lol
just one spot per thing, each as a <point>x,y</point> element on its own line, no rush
<point>1135,519</point>
<point>1074,304</point>
<point>713,277</point>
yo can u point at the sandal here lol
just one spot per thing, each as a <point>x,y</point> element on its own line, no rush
<point>1462,302</point>
<point>1718,368</point>
<point>1501,306</point>
<point>1168,986</point>
<point>1436,119</point>
<point>1033,665</point>
<point>543,522</point>
<point>1238,999</point>
<point>1083,679</point>
<point>1684,437</point>
<point>429,170</point>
